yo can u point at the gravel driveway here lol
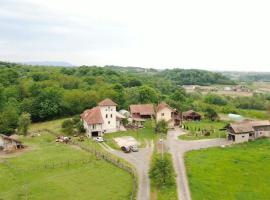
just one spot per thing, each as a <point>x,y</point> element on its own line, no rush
<point>178,148</point>
<point>141,160</point>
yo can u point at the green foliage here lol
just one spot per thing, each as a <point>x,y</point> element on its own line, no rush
<point>215,99</point>
<point>73,126</point>
<point>211,114</point>
<point>161,127</point>
<point>24,123</point>
<point>161,171</point>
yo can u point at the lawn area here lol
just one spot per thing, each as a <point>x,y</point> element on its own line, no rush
<point>143,135</point>
<point>58,171</point>
<point>194,129</point>
<point>237,172</point>
<point>54,125</point>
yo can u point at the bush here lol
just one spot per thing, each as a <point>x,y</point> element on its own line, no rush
<point>161,171</point>
<point>67,126</point>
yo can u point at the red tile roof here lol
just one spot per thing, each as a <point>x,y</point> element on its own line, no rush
<point>142,109</point>
<point>163,105</point>
<point>92,116</point>
<point>107,102</point>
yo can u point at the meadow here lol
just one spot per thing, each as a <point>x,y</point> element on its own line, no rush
<point>48,170</point>
<point>236,172</point>
<point>195,129</point>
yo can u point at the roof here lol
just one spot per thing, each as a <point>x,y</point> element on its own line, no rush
<point>190,112</point>
<point>9,138</point>
<point>107,102</point>
<point>163,105</point>
<point>248,126</point>
<point>92,116</point>
<point>142,109</point>
<point>119,116</point>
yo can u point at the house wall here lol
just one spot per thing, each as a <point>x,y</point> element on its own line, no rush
<point>1,142</point>
<point>91,128</point>
<point>262,131</point>
<point>239,138</point>
<point>109,117</point>
<point>165,114</point>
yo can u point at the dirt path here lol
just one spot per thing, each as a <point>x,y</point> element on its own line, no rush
<point>141,160</point>
<point>178,148</point>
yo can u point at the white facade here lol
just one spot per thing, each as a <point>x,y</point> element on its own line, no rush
<point>109,117</point>
<point>165,114</point>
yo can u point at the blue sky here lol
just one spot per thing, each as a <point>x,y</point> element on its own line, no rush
<point>209,34</point>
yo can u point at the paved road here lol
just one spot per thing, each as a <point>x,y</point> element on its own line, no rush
<point>178,148</point>
<point>140,160</point>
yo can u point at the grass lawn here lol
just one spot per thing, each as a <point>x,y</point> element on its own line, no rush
<point>143,135</point>
<point>194,129</point>
<point>237,172</point>
<point>59,171</point>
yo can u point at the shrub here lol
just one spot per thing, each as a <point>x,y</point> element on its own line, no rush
<point>161,171</point>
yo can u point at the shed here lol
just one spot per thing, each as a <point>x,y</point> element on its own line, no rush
<point>191,115</point>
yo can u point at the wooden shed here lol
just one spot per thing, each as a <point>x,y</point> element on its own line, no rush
<point>191,115</point>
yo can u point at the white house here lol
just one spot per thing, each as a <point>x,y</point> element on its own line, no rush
<point>102,119</point>
<point>248,130</point>
<point>170,115</point>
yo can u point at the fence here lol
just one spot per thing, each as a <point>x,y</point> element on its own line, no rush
<point>102,154</point>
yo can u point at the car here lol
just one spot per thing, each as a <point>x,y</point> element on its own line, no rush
<point>134,148</point>
<point>99,139</point>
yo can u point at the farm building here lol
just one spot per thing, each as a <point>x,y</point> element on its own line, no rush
<point>9,143</point>
<point>102,119</point>
<point>248,130</point>
<point>142,111</point>
<point>170,115</point>
<point>191,115</point>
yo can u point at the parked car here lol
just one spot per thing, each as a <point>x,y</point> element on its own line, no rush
<point>134,148</point>
<point>99,139</point>
<point>126,149</point>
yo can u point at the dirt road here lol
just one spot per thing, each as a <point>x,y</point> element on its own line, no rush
<point>140,160</point>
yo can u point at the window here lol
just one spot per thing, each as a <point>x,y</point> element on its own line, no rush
<point>106,115</point>
<point>111,115</point>
<point>162,114</point>
<point>109,122</point>
<point>94,126</point>
<point>243,136</point>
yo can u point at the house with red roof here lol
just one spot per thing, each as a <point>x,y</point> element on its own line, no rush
<point>102,119</point>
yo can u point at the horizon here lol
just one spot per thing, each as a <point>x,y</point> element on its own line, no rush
<point>187,35</point>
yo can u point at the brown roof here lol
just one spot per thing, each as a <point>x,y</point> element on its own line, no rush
<point>142,109</point>
<point>163,105</point>
<point>9,138</point>
<point>92,116</point>
<point>248,126</point>
<point>107,102</point>
<point>190,112</point>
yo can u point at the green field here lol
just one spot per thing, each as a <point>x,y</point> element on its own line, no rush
<point>238,172</point>
<point>48,170</point>
<point>143,135</point>
<point>195,129</point>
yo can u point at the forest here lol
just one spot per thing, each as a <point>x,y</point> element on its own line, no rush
<point>53,92</point>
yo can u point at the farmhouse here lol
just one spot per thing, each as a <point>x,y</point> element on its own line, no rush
<point>142,111</point>
<point>191,115</point>
<point>9,144</point>
<point>102,119</point>
<point>248,130</point>
<point>170,115</point>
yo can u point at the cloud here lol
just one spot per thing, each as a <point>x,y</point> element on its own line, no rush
<point>210,34</point>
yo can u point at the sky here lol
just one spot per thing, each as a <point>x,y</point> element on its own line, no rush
<point>210,34</point>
